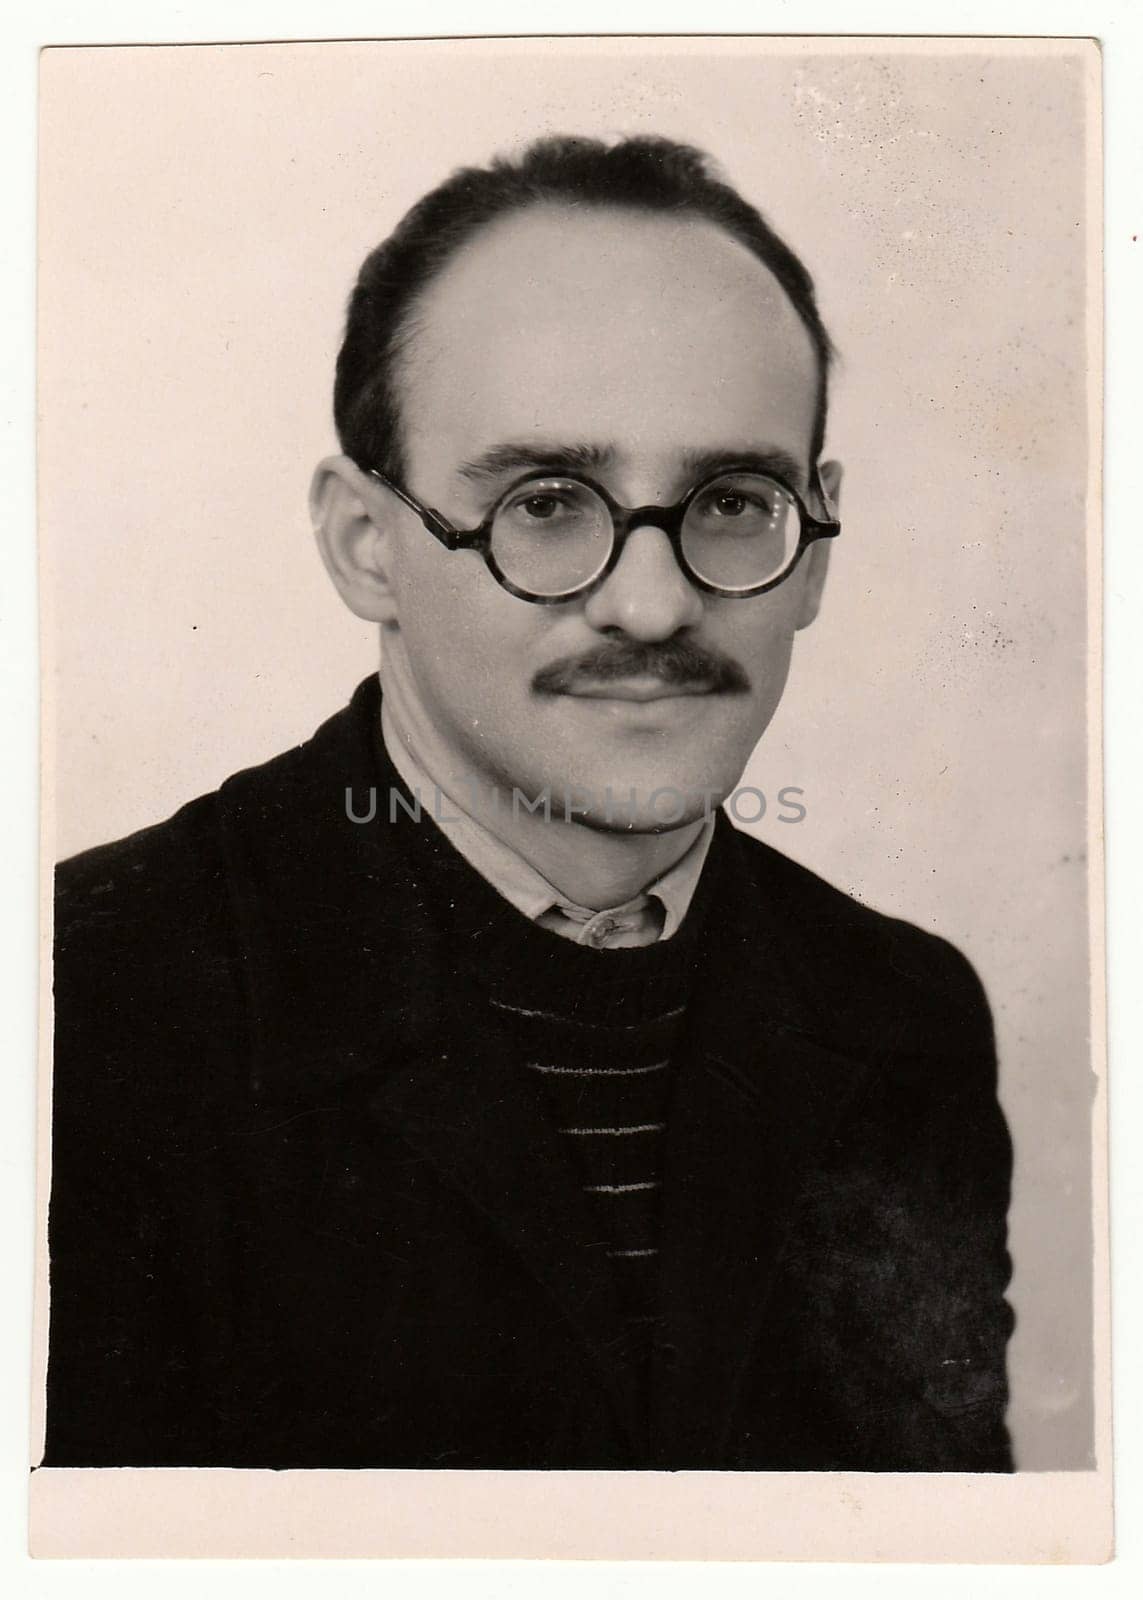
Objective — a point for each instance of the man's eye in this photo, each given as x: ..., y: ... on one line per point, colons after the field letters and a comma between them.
x: 557, y: 505
x: 541, y: 506
x: 731, y: 505
x: 736, y: 503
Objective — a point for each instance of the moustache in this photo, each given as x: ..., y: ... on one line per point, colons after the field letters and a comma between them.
x: 677, y: 662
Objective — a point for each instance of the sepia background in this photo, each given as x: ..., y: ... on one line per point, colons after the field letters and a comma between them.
x: 204, y: 211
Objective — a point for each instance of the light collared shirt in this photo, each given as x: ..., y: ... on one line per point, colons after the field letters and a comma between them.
x: 646, y: 918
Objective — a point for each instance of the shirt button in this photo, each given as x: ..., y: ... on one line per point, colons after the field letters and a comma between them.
x: 601, y: 932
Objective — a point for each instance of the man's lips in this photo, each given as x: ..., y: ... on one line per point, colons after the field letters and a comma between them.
x: 639, y: 690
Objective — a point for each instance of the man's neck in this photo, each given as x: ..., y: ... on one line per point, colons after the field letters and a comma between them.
x: 593, y: 868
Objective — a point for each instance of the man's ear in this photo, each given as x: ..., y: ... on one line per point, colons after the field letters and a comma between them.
x: 816, y: 559
x: 351, y: 525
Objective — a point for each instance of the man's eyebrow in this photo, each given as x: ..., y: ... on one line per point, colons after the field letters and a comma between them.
x: 535, y: 455
x: 769, y: 459
x: 695, y: 464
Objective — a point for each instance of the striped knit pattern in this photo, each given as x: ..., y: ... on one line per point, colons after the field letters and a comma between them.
x: 608, y: 1088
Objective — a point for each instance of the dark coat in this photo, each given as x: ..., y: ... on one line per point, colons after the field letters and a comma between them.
x: 297, y: 1219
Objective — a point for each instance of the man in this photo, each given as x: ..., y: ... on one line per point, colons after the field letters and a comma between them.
x: 461, y: 1089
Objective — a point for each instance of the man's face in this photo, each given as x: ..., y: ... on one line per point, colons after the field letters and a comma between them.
x: 653, y: 346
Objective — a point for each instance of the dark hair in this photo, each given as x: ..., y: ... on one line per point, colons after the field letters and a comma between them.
x: 648, y: 174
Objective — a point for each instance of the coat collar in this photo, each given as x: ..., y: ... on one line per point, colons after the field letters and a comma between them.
x: 323, y: 904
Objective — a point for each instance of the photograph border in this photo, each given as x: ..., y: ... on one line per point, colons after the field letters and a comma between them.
x: 85, y: 1518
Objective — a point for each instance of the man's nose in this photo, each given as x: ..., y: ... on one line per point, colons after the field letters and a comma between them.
x: 647, y: 594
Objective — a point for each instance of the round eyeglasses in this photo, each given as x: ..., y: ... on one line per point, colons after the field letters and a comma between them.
x: 554, y: 537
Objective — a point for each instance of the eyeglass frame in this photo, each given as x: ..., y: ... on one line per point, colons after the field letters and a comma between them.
x: 668, y: 519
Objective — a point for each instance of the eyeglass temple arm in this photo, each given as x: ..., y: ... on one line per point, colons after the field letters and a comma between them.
x: 829, y: 526
x: 450, y: 537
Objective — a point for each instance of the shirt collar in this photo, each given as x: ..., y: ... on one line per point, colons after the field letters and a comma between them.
x: 521, y: 884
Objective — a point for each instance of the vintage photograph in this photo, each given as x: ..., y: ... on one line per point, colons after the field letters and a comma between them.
x: 568, y: 777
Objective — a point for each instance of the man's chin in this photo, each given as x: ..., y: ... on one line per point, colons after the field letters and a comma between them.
x: 642, y: 822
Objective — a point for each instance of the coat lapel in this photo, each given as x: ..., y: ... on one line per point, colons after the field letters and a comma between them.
x: 757, y: 1096
x: 483, y: 1126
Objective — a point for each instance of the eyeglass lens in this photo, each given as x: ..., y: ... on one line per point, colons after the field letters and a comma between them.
x: 554, y: 535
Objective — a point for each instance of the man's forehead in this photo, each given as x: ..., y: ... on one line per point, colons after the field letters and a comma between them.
x: 610, y: 323
x: 540, y: 265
